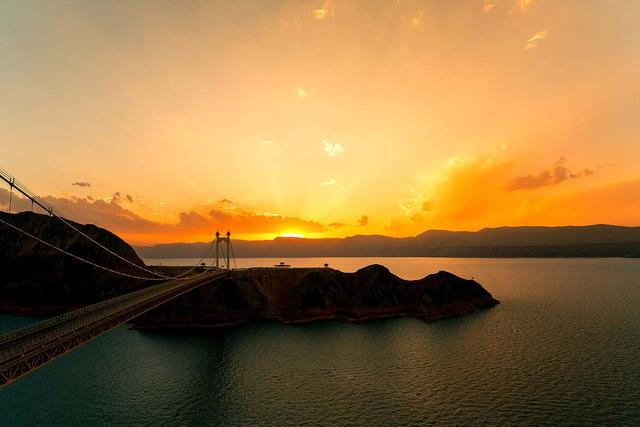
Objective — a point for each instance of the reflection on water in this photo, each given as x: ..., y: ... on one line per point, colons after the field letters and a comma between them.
x: 562, y: 348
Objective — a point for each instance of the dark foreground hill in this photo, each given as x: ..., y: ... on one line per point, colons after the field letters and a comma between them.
x: 582, y: 241
x: 34, y: 274
x: 305, y: 295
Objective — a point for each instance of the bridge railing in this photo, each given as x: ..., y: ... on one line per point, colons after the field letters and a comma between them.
x: 36, y: 336
x: 75, y: 321
x: 79, y: 312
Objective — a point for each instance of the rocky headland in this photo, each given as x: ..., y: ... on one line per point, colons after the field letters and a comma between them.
x: 305, y: 294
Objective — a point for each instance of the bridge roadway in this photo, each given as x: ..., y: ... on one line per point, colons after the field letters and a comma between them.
x: 27, y: 349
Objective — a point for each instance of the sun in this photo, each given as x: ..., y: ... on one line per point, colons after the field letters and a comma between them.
x: 296, y: 235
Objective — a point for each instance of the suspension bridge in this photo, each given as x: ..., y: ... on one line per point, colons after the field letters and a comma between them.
x: 25, y: 350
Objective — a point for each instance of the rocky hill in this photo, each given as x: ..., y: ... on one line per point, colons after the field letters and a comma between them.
x: 34, y: 274
x: 305, y: 295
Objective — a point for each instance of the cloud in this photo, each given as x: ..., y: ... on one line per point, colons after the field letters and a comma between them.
x: 252, y: 223
x: 129, y: 198
x: 619, y: 201
x: 335, y: 225
x: 90, y: 210
x: 487, y: 5
x: 82, y: 184
x: 325, y: 11
x: 535, y: 39
x: 190, y: 226
x: 332, y: 150
x: 227, y: 204
x: 524, y: 5
x: 416, y: 20
x: 301, y: 92
x: 328, y: 183
x: 364, y: 220
x: 267, y: 142
x: 556, y: 175
x: 479, y: 192
x: 415, y: 205
x: 470, y: 193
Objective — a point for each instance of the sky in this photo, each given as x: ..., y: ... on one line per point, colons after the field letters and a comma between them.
x: 164, y: 121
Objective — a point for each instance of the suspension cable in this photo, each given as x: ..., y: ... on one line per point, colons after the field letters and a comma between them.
x: 101, y: 266
x: 22, y: 188
x: 198, y: 263
x: 109, y: 250
x: 233, y: 255
x: 76, y: 256
x: 53, y: 212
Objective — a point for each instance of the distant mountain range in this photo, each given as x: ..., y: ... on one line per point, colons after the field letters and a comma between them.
x: 540, y: 242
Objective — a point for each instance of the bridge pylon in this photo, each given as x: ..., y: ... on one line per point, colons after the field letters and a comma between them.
x: 223, y: 249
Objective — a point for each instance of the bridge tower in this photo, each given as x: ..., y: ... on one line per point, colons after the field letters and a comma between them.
x: 223, y: 249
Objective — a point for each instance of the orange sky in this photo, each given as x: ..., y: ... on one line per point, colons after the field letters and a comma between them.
x: 163, y: 121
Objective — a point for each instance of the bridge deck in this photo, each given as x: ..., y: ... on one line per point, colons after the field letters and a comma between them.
x: 27, y: 349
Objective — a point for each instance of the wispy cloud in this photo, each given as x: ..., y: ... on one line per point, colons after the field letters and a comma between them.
x: 487, y: 5
x: 414, y: 206
x: 189, y: 226
x: 556, y: 175
x: 325, y: 11
x: 524, y: 4
x: 267, y: 142
x: 82, y: 184
x: 227, y: 205
x: 535, y: 39
x: 416, y: 20
x: 301, y: 92
x: 115, y: 198
x: 331, y: 149
x: 328, y: 183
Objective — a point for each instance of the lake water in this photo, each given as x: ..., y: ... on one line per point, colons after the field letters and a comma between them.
x: 562, y: 348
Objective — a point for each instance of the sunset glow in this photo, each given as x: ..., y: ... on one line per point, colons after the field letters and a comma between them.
x: 321, y: 118
x: 296, y: 235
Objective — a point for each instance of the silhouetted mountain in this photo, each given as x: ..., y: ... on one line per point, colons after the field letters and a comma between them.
x: 308, y: 294
x: 36, y: 274
x: 570, y: 241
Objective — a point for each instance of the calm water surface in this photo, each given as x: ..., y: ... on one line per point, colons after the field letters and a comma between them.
x: 562, y: 348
